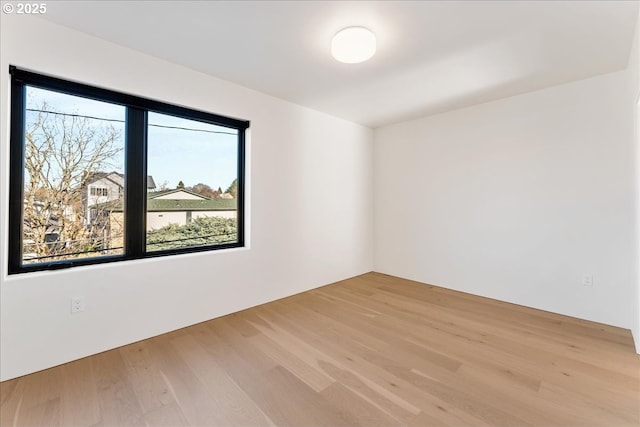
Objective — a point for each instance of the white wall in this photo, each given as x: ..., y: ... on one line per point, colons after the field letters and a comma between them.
x: 157, y: 220
x: 113, y: 191
x: 516, y: 199
x: 180, y: 195
x: 633, y: 72
x: 310, y: 198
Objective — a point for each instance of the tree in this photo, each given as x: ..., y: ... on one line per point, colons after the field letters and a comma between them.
x: 233, y: 188
x: 204, y: 190
x: 180, y: 184
x: 62, y: 152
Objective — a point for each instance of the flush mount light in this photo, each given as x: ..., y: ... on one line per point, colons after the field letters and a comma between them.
x: 353, y: 44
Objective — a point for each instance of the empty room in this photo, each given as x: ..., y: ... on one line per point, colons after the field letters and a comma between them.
x: 320, y: 213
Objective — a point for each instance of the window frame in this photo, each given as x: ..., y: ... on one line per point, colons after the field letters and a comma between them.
x: 135, y: 134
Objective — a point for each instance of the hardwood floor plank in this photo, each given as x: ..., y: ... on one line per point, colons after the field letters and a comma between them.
x: 118, y: 403
x: 300, y: 406
x: 12, y: 394
x: 79, y: 394
x: 440, y: 417
x: 43, y: 414
x: 148, y: 385
x: 374, y: 350
x: 366, y: 413
x: 35, y: 401
x: 526, y: 402
x: 184, y: 385
x: 241, y: 346
x: 371, y: 392
x: 226, y: 397
x: 305, y: 372
x: 593, y: 411
x: 393, y: 394
x: 169, y: 415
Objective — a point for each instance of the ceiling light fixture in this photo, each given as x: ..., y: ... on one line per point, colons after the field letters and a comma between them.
x: 353, y: 45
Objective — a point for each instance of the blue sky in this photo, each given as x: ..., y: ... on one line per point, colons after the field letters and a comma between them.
x: 188, y: 155
x: 192, y: 156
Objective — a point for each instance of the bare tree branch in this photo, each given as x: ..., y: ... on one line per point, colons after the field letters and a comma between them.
x: 61, y: 154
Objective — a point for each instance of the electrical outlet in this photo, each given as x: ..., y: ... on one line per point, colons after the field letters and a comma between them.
x: 587, y: 280
x: 77, y: 305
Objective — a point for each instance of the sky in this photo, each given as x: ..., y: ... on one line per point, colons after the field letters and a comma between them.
x: 196, y: 153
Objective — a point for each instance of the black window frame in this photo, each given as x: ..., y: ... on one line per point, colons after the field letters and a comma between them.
x: 137, y: 109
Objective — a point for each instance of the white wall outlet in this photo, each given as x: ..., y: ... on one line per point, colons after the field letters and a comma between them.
x: 587, y: 279
x: 77, y: 305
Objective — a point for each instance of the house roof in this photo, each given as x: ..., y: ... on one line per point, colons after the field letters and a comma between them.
x: 95, y: 176
x: 166, y: 205
x: 162, y: 205
x: 151, y: 184
x: 154, y: 194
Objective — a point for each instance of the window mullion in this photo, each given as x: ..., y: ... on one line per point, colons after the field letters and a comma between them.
x: 135, y: 182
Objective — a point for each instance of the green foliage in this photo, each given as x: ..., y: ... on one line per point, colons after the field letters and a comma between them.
x: 200, y: 231
x: 205, y: 190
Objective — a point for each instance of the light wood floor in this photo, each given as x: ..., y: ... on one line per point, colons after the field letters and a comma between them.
x: 369, y: 351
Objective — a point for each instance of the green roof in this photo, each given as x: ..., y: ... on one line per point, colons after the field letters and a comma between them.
x: 163, y: 205
x: 191, y: 205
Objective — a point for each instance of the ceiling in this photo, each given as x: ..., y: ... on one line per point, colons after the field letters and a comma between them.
x: 433, y: 56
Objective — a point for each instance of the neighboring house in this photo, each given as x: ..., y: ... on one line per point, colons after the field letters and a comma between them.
x: 180, y: 206
x: 103, y: 187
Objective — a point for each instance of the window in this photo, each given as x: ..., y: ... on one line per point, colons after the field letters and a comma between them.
x: 96, y: 191
x: 100, y: 176
x: 195, y: 164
